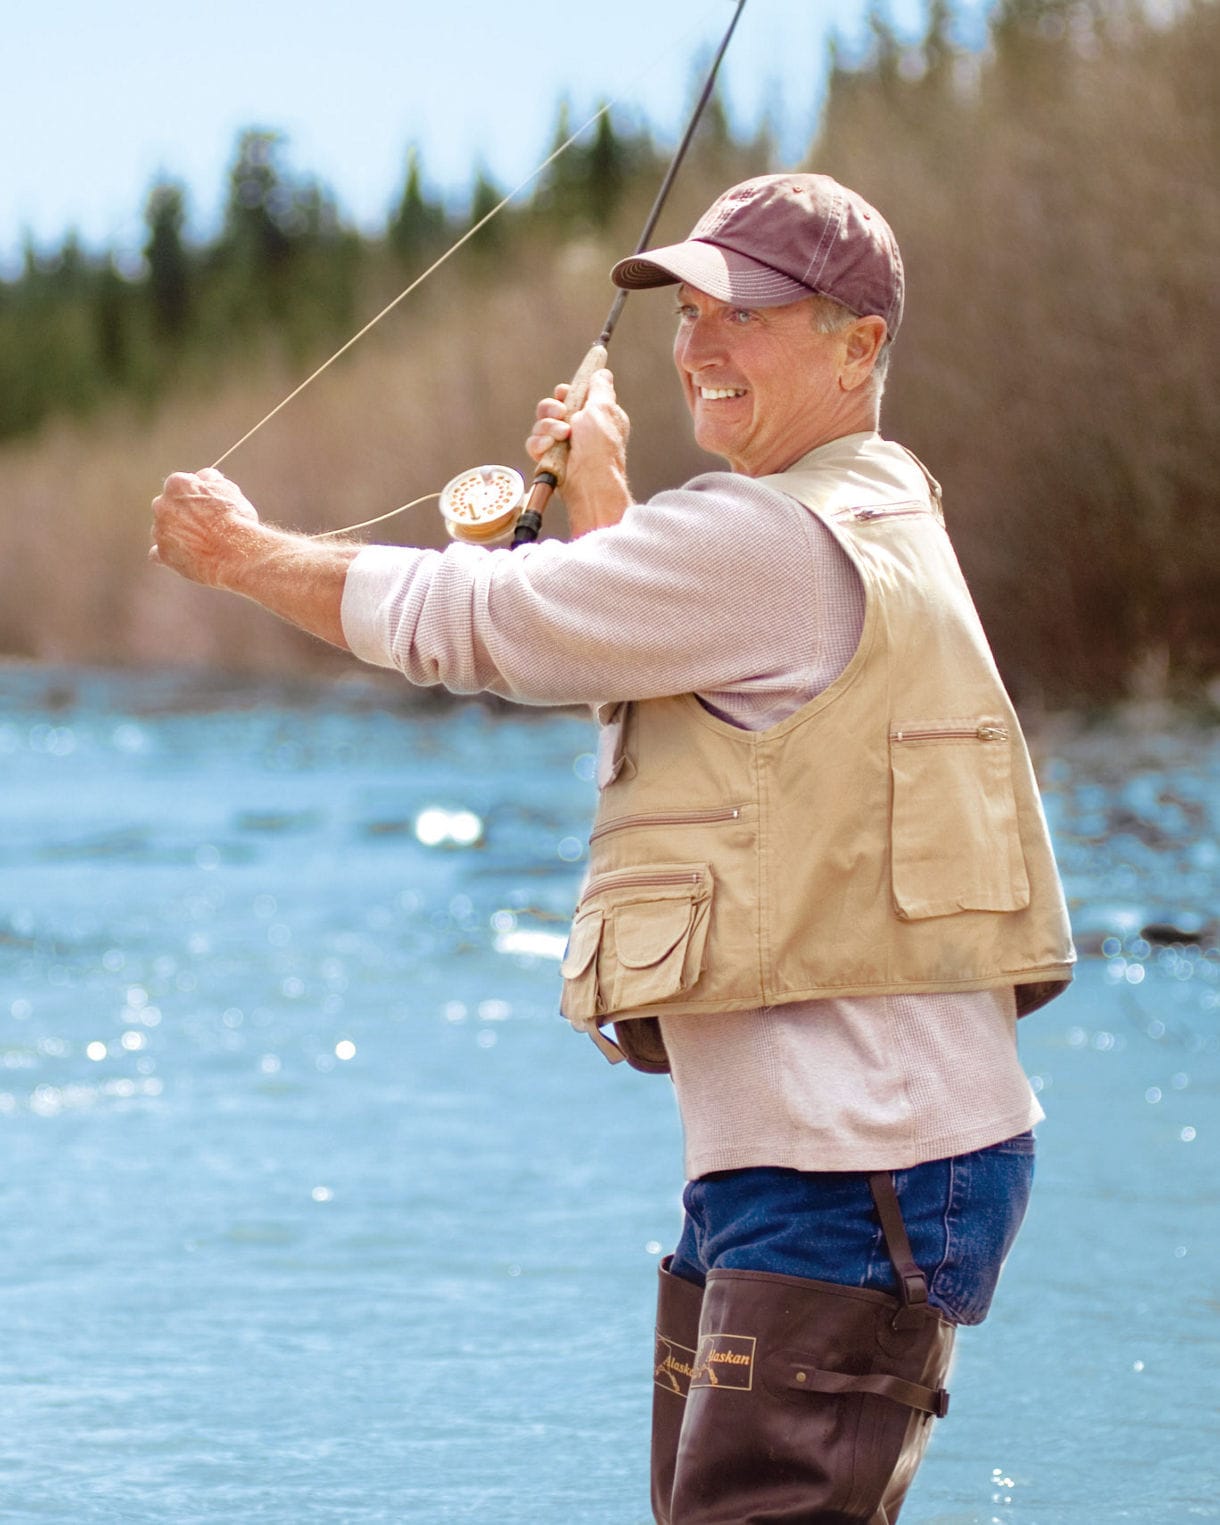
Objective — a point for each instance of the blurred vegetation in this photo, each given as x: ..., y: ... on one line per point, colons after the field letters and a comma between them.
x: 1056, y: 191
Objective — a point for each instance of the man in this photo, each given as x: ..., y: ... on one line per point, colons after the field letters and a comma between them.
x: 820, y: 888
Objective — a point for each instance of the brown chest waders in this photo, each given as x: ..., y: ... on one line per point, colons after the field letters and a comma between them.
x: 780, y: 1400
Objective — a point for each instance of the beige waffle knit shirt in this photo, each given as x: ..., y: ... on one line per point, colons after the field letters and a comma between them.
x: 732, y: 591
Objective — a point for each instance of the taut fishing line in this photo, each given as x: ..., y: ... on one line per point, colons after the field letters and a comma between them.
x: 417, y: 282
x: 484, y: 505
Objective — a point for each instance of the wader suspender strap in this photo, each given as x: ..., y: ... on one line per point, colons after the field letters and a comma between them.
x: 913, y: 1290
x: 914, y: 1317
x: 912, y: 1283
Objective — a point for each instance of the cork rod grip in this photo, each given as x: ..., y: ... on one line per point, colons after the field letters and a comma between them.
x: 556, y: 457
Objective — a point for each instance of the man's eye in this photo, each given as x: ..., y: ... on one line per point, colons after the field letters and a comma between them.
x: 684, y: 312
x: 741, y: 316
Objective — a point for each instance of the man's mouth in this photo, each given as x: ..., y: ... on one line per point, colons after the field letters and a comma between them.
x: 716, y: 394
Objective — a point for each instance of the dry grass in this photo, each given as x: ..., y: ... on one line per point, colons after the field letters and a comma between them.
x: 1059, y: 368
x: 1059, y: 208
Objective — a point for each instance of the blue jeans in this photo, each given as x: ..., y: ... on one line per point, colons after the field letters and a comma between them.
x: 961, y: 1213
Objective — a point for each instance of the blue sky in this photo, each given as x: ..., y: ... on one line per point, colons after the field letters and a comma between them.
x: 99, y: 98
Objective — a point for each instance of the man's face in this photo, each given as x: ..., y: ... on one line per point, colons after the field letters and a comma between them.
x: 762, y: 384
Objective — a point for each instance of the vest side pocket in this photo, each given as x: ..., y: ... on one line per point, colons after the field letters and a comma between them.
x: 581, y: 998
x: 652, y: 925
x: 954, y: 829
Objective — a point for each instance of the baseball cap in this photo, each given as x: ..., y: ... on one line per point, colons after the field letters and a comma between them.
x: 777, y: 238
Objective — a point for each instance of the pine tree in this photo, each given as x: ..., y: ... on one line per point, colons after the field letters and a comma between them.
x: 484, y: 195
x: 607, y: 165
x: 259, y: 223
x: 559, y: 198
x: 284, y: 257
x: 417, y: 225
x: 169, y: 267
x: 111, y: 324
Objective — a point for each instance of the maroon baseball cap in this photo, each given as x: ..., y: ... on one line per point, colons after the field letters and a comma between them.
x: 778, y: 238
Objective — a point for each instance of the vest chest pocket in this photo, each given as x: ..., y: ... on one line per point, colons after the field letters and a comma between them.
x: 954, y: 832
x: 637, y: 940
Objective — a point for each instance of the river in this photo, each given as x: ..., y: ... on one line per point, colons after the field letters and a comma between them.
x: 315, y: 1211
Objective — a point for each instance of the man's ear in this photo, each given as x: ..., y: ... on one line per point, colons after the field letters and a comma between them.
x: 862, y: 343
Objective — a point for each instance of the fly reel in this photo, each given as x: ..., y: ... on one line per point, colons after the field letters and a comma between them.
x: 481, y: 506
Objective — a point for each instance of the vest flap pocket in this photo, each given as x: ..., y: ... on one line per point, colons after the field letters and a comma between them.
x: 954, y: 829
x: 655, y: 929
x: 645, y: 933
x: 583, y: 939
x: 581, y: 1001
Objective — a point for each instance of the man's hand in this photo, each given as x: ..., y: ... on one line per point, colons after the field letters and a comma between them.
x: 594, y: 485
x: 206, y: 530
x: 203, y: 527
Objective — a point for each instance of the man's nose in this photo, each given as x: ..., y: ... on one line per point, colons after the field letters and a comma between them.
x: 696, y: 346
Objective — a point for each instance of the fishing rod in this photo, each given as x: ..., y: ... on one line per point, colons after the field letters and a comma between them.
x: 483, y: 504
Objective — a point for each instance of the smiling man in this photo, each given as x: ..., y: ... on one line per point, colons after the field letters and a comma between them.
x: 767, y: 385
x: 820, y: 888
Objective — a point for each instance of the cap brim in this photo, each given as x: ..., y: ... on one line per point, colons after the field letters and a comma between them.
x: 721, y: 273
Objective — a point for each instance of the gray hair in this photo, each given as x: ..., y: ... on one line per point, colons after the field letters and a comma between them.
x: 831, y: 317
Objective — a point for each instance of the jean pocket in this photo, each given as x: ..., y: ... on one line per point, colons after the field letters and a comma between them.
x: 988, y: 1195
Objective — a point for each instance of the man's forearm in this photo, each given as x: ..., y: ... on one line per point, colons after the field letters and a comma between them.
x: 300, y: 580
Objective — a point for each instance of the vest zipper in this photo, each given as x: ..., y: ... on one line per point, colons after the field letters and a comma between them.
x: 669, y: 818
x: 886, y: 511
x: 611, y: 880
x: 987, y: 731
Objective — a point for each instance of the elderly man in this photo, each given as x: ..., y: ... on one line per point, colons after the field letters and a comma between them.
x: 820, y: 888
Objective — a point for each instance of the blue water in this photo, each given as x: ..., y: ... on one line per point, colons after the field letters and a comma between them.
x: 315, y: 1211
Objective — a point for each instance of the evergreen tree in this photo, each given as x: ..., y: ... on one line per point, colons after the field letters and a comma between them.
x: 67, y: 270
x: 586, y: 184
x: 417, y: 225
x: 111, y: 320
x: 484, y: 195
x: 283, y: 256
x: 560, y: 196
x: 607, y: 168
x: 259, y: 223
x: 169, y: 269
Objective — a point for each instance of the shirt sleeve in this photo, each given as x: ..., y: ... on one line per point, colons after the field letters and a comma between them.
x: 680, y: 597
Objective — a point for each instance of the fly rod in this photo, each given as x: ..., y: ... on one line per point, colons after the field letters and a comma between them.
x: 480, y: 505
x: 549, y: 471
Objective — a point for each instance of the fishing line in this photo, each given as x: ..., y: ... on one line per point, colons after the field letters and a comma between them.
x: 380, y: 519
x: 420, y: 279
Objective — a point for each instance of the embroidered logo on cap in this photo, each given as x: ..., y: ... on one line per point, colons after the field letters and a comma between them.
x: 723, y: 208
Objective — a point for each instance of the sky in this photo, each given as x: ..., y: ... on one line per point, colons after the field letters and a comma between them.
x: 99, y: 99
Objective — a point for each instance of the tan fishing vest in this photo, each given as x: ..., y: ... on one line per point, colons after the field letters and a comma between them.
x: 886, y: 837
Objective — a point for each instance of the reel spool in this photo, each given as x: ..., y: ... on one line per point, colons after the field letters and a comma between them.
x: 481, y: 506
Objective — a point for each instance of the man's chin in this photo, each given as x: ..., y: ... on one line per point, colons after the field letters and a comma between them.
x: 711, y: 437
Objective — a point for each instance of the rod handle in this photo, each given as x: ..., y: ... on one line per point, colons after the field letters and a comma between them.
x: 529, y: 525
x: 556, y: 458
